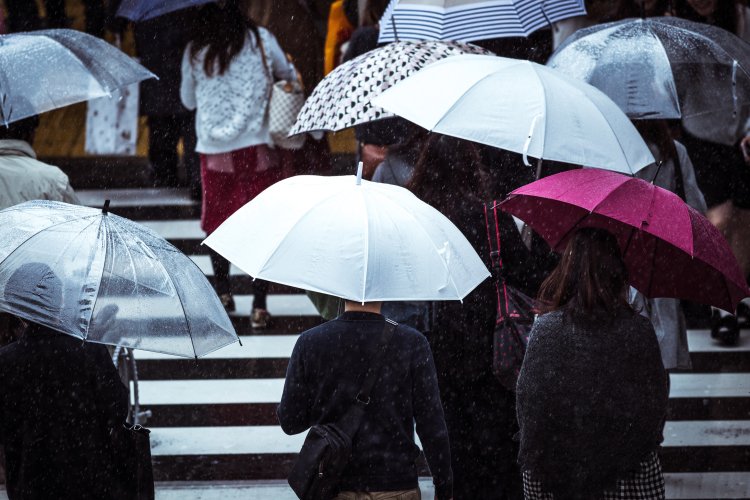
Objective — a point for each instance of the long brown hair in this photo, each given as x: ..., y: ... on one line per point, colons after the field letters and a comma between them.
x: 591, y: 276
x: 223, y: 28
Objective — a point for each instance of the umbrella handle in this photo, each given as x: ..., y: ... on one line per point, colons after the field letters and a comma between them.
x: 528, y: 141
x: 359, y: 173
x: 734, y: 87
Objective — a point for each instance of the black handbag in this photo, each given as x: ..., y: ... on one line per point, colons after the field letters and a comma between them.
x: 132, y: 447
x: 328, y: 447
x: 515, y: 313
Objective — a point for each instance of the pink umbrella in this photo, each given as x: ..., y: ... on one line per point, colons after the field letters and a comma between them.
x: 671, y: 250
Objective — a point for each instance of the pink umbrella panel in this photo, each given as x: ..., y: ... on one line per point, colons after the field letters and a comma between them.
x: 671, y: 250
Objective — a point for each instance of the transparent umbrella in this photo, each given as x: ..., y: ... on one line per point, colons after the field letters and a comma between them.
x: 666, y: 67
x: 49, y: 69
x: 119, y: 282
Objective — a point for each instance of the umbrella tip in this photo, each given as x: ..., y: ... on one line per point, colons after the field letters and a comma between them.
x: 359, y: 173
x: 105, y: 208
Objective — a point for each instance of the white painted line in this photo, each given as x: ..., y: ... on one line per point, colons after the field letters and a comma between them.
x: 710, y: 385
x: 213, y: 391
x: 236, y: 440
x: 701, y: 341
x: 176, y: 229
x: 152, y: 197
x: 253, y: 347
x: 217, y: 391
x: 707, y: 433
x: 232, y: 440
x: 707, y: 485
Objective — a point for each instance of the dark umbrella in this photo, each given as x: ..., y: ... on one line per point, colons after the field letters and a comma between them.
x: 141, y: 10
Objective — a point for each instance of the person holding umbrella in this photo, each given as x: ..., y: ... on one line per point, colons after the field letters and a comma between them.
x: 592, y: 392
x: 227, y: 70
x: 60, y: 401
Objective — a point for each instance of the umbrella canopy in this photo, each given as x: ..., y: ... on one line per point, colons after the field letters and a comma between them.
x: 342, y: 98
x: 106, y: 279
x: 522, y: 107
x: 470, y: 20
x: 142, y: 10
x: 49, y: 69
x: 666, y: 67
x: 359, y: 240
x: 671, y: 250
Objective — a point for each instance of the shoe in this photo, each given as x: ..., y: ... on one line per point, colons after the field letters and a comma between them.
x: 259, y: 319
x: 227, y: 301
x: 726, y: 330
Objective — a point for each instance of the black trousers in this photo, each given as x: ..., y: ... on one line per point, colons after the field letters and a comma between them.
x: 222, y: 285
x: 165, y: 133
x: 23, y: 15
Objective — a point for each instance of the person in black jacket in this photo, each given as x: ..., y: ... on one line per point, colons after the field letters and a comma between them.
x: 160, y: 43
x: 59, y: 400
x: 326, y: 371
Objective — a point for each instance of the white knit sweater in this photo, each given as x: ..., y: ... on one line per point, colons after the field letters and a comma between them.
x: 231, y: 108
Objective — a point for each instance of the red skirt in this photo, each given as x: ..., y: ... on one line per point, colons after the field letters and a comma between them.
x: 232, y: 179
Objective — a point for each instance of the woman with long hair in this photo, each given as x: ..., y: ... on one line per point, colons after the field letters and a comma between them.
x: 592, y: 393
x: 227, y: 72
x: 479, y: 410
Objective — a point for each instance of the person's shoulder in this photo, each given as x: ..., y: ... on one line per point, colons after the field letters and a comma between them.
x: 550, y: 319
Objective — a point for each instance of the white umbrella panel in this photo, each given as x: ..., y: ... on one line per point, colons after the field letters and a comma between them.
x: 522, y: 107
x: 358, y: 240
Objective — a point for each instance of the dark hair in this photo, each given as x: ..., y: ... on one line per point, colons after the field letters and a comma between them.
x: 591, y: 276
x: 448, y: 172
x: 372, y: 12
x: 725, y: 15
x: 657, y: 132
x: 222, y: 29
x: 22, y: 129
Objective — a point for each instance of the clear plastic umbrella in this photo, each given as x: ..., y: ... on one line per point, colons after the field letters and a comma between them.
x: 103, y: 278
x: 666, y: 67
x: 49, y: 69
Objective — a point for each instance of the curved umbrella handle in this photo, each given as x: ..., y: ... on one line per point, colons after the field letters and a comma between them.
x: 528, y: 141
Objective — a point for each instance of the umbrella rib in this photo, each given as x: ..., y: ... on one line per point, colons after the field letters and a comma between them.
x: 40, y: 231
x: 278, y: 245
x: 101, y: 278
x: 367, y: 244
x: 176, y: 291
x: 445, y: 266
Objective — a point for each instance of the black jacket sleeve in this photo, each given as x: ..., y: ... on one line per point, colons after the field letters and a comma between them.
x: 428, y: 415
x: 296, y: 400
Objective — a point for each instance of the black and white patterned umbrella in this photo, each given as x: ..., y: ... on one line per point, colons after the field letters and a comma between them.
x: 342, y: 98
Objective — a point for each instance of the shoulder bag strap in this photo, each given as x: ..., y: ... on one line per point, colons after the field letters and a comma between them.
x: 679, y: 179
x: 352, y: 419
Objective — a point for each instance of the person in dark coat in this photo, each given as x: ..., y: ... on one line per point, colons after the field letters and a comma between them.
x: 592, y: 393
x: 59, y: 400
x: 325, y: 374
x: 160, y: 43
x: 479, y: 411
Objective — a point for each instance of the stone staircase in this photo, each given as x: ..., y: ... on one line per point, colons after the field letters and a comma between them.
x: 214, y: 425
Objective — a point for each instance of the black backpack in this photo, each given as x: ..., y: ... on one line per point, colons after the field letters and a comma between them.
x: 328, y: 447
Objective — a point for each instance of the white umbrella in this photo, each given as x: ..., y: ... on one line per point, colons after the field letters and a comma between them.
x: 520, y: 106
x: 359, y: 240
